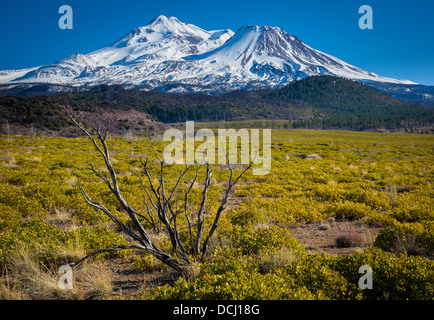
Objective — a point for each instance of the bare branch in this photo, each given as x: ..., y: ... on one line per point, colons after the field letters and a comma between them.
x: 146, y: 191
x: 102, y: 177
x: 110, y: 215
x: 186, y: 205
x: 200, y: 214
x: 99, y: 251
x: 177, y: 182
x: 151, y: 216
x: 161, y: 201
x: 142, y: 236
x: 221, y: 208
x: 80, y: 126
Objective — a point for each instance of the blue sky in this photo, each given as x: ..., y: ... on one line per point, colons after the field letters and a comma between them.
x: 401, y: 44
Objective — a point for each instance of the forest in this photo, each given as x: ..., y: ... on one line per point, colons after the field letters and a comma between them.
x: 322, y: 102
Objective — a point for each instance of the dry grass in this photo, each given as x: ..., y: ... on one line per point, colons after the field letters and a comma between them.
x: 9, y: 289
x: 192, y: 271
x: 71, y: 180
x: 12, y: 162
x: 25, y: 277
x: 72, y: 251
x: 61, y: 218
x: 94, y: 282
x: 276, y: 259
x: 332, y: 182
x: 391, y: 192
x: 36, y: 159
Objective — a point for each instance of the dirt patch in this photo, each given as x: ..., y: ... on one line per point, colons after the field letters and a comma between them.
x: 128, y: 282
x: 321, y: 237
x: 233, y: 203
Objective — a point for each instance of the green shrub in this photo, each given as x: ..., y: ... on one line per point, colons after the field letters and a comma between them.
x: 414, y: 206
x: 33, y: 233
x: 96, y: 237
x: 147, y: 263
x: 230, y: 276
x: 348, y: 210
x: 253, y: 241
x: 313, y: 273
x: 247, y: 214
x: 413, y: 238
x: 394, y: 277
x: 37, y: 234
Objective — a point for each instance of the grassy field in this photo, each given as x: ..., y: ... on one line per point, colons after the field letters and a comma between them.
x: 369, y: 194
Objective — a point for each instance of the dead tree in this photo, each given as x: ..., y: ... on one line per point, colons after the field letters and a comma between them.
x: 163, y: 208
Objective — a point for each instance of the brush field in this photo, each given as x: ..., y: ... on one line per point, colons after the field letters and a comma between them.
x: 333, y: 202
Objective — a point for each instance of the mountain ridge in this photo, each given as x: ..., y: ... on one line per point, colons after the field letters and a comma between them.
x: 167, y: 53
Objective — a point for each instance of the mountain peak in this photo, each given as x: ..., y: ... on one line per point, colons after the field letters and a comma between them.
x: 268, y: 30
x: 252, y: 44
x: 162, y: 19
x: 157, y: 30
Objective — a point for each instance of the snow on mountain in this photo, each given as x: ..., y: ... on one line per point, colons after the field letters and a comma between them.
x: 162, y: 39
x: 170, y: 55
x: 269, y: 54
x: 10, y: 75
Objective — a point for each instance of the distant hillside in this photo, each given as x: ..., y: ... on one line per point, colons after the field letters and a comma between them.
x: 170, y: 107
x: 322, y: 102
x: 139, y: 110
x: 348, y: 104
x: 41, y: 115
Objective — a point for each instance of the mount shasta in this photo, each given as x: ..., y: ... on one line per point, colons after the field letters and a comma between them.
x: 171, y: 56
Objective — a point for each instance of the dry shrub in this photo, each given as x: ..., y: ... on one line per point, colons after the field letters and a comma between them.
x: 350, y: 238
x: 9, y: 289
x: 192, y: 271
x: 408, y: 243
x: 12, y: 162
x: 72, y: 251
x: 268, y: 261
x: 72, y: 180
x: 400, y: 239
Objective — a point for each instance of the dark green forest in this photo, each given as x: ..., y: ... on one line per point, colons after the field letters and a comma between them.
x: 348, y: 104
x: 322, y: 102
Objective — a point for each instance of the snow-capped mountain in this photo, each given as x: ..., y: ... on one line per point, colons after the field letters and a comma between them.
x: 170, y: 55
